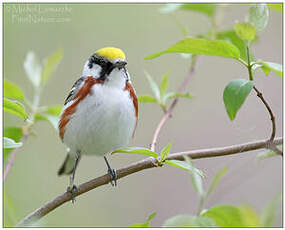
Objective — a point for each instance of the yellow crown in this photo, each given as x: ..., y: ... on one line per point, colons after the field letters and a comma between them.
x: 111, y: 53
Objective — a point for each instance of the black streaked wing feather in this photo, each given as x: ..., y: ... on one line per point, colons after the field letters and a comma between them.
x: 74, y: 90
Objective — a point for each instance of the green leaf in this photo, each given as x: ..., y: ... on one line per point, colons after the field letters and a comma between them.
x: 183, y: 165
x: 271, y: 66
x: 138, y: 150
x: 225, y: 216
x: 53, y: 110
x: 10, y: 90
x: 195, y: 178
x: 172, y: 95
x: 153, y: 86
x: 205, y: 8
x: 164, y: 84
x: 151, y: 216
x: 147, y: 98
x: 249, y: 216
x: 258, y: 16
x: 245, y: 31
x: 14, y: 133
x: 275, y: 6
x: 178, y: 164
x: 33, y: 69
x: 216, y: 180
x: 14, y: 108
x: 235, y: 94
x: 265, y: 69
x: 184, y: 221
x: 165, y: 151
x: 50, y: 65
x: 231, y: 36
x: 269, y: 213
x: 10, y: 143
x: 53, y: 120
x: 202, y: 47
x: 144, y: 225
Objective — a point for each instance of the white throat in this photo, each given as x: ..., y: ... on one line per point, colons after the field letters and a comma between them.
x: 116, y: 79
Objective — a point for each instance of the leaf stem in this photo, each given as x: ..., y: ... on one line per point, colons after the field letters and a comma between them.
x: 242, y: 62
x: 249, y: 66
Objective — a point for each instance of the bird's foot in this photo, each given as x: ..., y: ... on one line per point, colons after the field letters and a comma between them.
x: 73, y: 190
x: 113, y: 175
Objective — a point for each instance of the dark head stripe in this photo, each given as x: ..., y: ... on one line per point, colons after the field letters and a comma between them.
x: 106, y: 65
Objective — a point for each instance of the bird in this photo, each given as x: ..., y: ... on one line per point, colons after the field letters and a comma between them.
x: 100, y: 113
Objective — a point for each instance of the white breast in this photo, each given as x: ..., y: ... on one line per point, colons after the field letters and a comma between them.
x: 103, y: 121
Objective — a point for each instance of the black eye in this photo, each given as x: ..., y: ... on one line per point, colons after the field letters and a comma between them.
x: 96, y: 60
x: 91, y: 61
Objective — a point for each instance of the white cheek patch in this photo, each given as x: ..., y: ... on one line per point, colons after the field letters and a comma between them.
x: 94, y: 71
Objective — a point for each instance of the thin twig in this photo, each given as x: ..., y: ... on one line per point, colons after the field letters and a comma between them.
x: 168, y: 113
x: 12, y: 158
x: 259, y: 94
x: 139, y: 166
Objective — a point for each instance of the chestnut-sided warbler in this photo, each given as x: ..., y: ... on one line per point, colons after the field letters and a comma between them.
x: 100, y: 113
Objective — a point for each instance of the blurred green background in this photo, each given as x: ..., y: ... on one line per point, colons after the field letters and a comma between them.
x: 202, y: 122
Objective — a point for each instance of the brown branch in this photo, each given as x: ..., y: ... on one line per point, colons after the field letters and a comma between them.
x: 142, y: 165
x: 259, y: 94
x: 169, y: 111
x: 12, y: 158
x: 271, y: 145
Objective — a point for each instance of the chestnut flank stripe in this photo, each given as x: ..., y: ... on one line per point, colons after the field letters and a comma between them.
x: 133, y: 96
x: 79, y: 96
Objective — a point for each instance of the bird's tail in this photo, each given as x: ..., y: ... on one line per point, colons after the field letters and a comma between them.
x: 67, y: 166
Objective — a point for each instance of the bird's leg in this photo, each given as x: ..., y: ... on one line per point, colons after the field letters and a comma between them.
x: 112, y: 173
x: 72, y: 187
